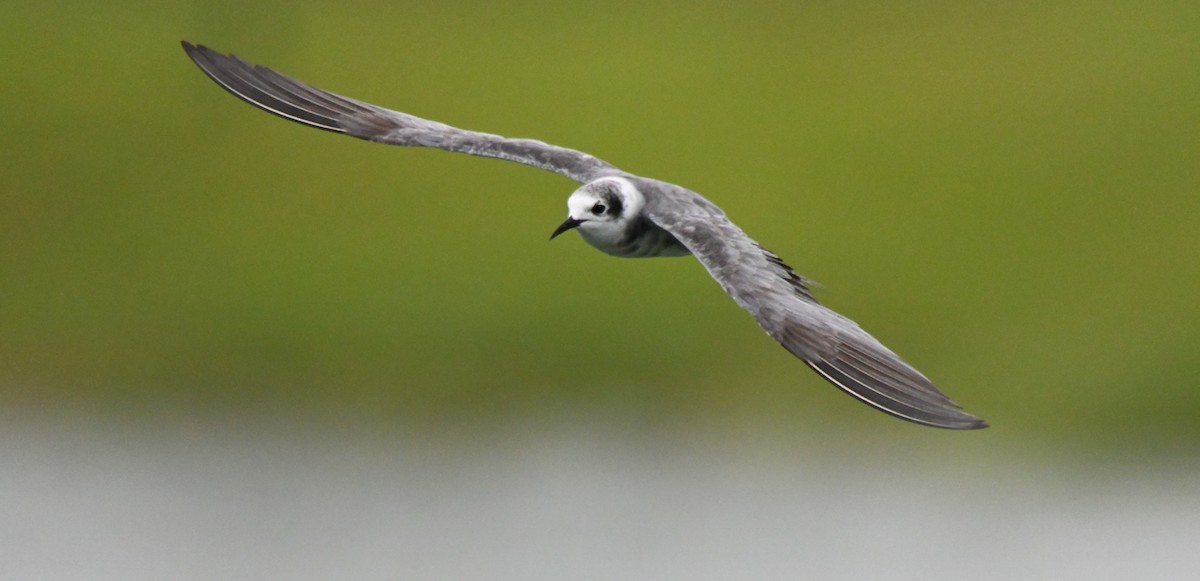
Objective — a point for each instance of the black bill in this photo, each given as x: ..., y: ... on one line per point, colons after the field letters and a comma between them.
x: 567, y: 225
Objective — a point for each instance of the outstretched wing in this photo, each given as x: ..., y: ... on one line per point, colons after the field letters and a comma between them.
x: 780, y: 301
x: 291, y: 99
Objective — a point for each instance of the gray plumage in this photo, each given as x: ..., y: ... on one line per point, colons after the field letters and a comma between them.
x: 631, y: 216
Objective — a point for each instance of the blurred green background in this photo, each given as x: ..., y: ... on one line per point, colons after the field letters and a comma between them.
x: 1006, y: 194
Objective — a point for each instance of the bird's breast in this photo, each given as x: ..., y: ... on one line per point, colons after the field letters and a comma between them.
x: 639, y: 239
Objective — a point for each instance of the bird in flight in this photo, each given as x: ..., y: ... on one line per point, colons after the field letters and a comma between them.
x: 630, y: 216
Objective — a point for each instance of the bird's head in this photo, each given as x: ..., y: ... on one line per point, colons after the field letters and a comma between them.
x: 601, y: 209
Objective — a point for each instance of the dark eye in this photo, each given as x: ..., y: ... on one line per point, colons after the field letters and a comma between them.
x: 598, y: 209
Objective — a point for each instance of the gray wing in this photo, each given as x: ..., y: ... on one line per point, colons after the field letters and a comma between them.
x: 299, y: 102
x: 780, y: 301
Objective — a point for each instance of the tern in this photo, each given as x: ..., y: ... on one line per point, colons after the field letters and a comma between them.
x: 630, y: 216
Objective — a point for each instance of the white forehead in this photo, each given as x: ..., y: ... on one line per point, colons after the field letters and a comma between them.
x: 588, y: 194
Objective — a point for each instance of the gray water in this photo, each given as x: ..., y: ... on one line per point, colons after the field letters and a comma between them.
x: 566, y: 502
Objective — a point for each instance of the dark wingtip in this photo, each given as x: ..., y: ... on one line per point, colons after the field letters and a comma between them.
x: 972, y: 424
x: 195, y: 51
x: 979, y: 424
x: 962, y: 420
x: 939, y: 412
x: 283, y: 96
